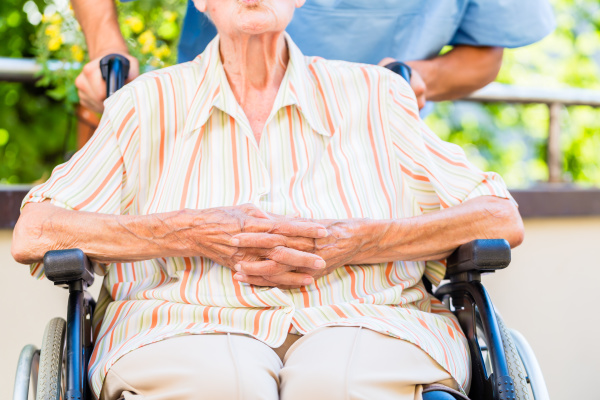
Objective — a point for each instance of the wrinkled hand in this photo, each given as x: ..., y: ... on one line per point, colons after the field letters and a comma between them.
x: 347, y: 241
x: 416, y: 81
x: 210, y: 235
x: 92, y: 88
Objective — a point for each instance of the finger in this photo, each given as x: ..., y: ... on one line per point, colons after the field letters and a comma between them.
x: 253, y: 280
x: 83, y: 86
x: 269, y: 241
x: 386, y: 61
x: 306, y: 229
x: 295, y: 258
x: 421, y: 102
x: 262, y: 268
x: 258, y: 240
x: 253, y: 211
x: 86, y: 101
x: 95, y: 81
x: 134, y: 68
x: 276, y: 217
x: 87, y: 94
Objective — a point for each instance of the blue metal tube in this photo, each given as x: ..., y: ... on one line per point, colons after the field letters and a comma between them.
x: 75, y: 363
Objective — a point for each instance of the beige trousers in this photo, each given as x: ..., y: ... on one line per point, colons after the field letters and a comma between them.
x: 330, y: 363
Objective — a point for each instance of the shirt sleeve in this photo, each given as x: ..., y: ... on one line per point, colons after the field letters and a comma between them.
x: 435, y: 174
x: 504, y: 23
x: 96, y: 178
x: 438, y: 173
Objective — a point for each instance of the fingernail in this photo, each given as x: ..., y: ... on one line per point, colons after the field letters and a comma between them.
x: 237, y: 267
x: 239, y: 276
x: 235, y: 242
x: 322, y: 232
x: 320, y: 264
x: 308, y: 281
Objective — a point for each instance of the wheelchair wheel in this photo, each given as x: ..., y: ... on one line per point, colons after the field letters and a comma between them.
x: 27, y: 372
x: 515, y: 364
x: 49, y: 385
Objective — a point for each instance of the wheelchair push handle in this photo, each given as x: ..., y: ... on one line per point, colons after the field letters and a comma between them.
x: 115, y: 69
x: 401, y: 69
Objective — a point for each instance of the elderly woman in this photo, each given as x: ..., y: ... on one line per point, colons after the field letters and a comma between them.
x: 266, y: 220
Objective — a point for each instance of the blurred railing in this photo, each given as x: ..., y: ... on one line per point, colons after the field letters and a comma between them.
x: 555, y: 99
x: 26, y: 70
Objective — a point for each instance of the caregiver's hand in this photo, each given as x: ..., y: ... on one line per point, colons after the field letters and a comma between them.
x: 417, y: 83
x: 212, y: 230
x: 91, y: 87
x: 347, y: 240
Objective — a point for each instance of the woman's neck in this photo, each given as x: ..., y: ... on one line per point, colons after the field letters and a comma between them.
x: 255, y: 66
x: 254, y: 62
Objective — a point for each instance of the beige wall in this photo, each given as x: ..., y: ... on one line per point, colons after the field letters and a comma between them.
x: 547, y: 293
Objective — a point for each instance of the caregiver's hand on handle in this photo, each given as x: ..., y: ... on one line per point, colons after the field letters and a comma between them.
x: 91, y: 87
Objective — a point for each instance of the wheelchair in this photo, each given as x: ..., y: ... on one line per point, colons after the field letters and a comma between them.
x: 502, y: 363
x: 503, y: 366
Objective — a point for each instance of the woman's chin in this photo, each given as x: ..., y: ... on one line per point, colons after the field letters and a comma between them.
x: 257, y: 23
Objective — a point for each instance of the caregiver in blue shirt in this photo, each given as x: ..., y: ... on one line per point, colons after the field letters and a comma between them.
x: 368, y: 31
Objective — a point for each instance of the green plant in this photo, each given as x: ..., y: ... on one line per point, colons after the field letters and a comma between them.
x: 511, y: 139
x: 149, y: 27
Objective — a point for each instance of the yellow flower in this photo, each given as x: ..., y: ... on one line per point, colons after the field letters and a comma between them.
x: 148, y: 48
x: 55, y: 18
x: 52, y: 31
x: 170, y: 16
x: 77, y: 53
x: 54, y: 43
x: 147, y: 37
x: 148, y: 42
x: 162, y: 52
x: 135, y: 23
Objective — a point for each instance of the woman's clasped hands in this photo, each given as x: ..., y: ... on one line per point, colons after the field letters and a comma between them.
x: 266, y: 249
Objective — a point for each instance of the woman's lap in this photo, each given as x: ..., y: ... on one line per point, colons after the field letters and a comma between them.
x: 195, y: 367
x: 330, y: 363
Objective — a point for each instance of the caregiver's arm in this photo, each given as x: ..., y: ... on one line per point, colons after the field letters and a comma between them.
x: 432, y: 236
x: 100, y: 26
x: 455, y: 74
x: 183, y: 233
x: 459, y: 72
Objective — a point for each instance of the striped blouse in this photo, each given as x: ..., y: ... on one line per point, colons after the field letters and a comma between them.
x: 343, y: 140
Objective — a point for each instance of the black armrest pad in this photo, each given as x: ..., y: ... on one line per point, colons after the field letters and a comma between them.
x: 64, y: 266
x: 481, y: 255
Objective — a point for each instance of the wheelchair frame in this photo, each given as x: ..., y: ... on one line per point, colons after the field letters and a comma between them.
x: 72, y: 269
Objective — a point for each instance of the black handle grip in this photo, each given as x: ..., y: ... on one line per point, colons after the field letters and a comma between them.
x: 401, y: 69
x: 115, y: 69
x: 481, y: 255
x: 66, y: 266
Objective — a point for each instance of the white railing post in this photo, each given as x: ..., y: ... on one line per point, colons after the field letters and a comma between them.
x: 554, y: 159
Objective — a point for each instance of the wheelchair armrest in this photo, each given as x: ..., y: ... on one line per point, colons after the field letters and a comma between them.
x: 481, y: 255
x: 67, y: 266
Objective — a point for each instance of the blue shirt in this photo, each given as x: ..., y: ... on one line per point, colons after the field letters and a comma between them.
x: 368, y: 30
